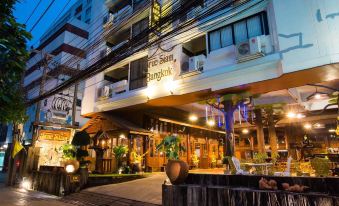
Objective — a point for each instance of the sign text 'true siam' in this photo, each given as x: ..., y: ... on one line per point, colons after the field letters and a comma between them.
x: 157, y: 68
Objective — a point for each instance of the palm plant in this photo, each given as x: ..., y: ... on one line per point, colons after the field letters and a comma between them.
x: 119, y: 152
x: 171, y: 146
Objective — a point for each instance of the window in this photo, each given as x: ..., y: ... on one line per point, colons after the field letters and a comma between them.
x: 88, y: 21
x: 138, y: 30
x: 139, y: 27
x: 79, y: 17
x: 238, y: 32
x: 78, y: 10
x: 138, y: 73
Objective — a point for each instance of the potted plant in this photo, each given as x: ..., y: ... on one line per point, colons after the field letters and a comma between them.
x: 80, y: 141
x: 176, y: 170
x: 119, y: 152
x: 321, y: 166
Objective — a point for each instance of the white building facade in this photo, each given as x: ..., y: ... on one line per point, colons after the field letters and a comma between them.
x: 257, y: 45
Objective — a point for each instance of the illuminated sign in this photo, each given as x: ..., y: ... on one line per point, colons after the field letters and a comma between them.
x: 160, y: 70
x: 155, y: 16
x: 54, y: 135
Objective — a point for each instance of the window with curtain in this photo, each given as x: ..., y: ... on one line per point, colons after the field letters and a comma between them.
x: 238, y: 32
x: 138, y: 73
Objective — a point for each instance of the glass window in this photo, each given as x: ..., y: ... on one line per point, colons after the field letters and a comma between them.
x: 78, y: 10
x: 226, y: 36
x: 240, y: 32
x: 215, y: 40
x: 138, y: 73
x: 254, y: 26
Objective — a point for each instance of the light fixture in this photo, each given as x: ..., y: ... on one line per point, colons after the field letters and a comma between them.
x: 332, y: 130
x: 300, y: 116
x: 291, y: 114
x: 307, y: 126
x: 70, y: 168
x: 26, y: 184
x: 211, y: 122
x: 193, y: 117
x: 245, y: 131
x: 150, y: 91
x: 5, y: 146
x: 122, y: 136
x: 171, y: 86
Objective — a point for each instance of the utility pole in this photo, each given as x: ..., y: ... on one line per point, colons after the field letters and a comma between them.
x: 45, y: 58
x: 75, y: 98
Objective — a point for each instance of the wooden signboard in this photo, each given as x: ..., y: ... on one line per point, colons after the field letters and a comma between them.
x: 54, y: 135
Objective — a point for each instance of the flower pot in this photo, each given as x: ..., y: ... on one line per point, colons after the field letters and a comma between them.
x: 176, y: 171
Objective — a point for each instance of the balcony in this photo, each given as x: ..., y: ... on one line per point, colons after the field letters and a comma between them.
x: 122, y: 11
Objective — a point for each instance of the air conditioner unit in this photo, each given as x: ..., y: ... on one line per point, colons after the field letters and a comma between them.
x: 104, y: 92
x: 196, y: 63
x: 249, y: 50
x: 119, y: 87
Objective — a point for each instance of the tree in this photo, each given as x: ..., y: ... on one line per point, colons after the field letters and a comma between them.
x: 13, y: 57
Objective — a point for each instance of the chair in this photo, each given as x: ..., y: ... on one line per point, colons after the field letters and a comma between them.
x: 287, y: 172
x: 236, y: 163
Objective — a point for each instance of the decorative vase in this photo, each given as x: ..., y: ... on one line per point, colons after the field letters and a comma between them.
x: 176, y: 171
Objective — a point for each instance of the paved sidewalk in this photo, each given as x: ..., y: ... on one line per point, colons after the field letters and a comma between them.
x: 147, y: 190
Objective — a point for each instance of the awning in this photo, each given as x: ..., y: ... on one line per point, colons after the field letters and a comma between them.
x: 107, y: 122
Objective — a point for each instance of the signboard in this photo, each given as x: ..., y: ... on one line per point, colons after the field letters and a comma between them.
x: 155, y: 16
x: 54, y: 135
x: 161, y: 61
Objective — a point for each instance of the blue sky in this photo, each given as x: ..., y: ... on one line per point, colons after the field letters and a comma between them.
x: 23, y: 9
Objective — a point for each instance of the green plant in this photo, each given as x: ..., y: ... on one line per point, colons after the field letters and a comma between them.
x: 137, y: 158
x: 13, y: 57
x: 68, y: 151
x: 119, y: 152
x: 171, y: 146
x: 321, y: 166
x: 260, y: 157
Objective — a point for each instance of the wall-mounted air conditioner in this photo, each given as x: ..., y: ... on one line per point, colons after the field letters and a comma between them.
x: 119, y: 87
x: 196, y: 63
x: 249, y: 50
x: 104, y: 92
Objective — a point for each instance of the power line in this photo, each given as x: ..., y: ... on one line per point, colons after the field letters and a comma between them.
x: 69, y: 1
x: 33, y: 11
x: 108, y: 61
x: 43, y: 14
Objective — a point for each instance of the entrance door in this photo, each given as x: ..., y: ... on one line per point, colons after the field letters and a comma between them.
x: 204, y: 156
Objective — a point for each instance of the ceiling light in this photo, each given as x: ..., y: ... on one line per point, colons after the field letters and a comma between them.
x: 307, y: 126
x: 193, y: 118
x: 211, y: 122
x: 317, y: 96
x: 245, y: 131
x: 122, y: 136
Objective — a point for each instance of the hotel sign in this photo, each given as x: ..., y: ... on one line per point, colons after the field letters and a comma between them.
x: 155, y: 16
x: 155, y: 63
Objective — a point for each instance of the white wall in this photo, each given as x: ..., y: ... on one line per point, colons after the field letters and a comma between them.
x: 308, y: 32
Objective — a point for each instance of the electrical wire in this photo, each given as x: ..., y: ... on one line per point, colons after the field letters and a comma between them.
x: 29, y: 17
x: 43, y: 14
x: 87, y: 73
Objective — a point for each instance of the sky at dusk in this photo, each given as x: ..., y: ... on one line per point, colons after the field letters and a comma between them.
x: 24, y: 8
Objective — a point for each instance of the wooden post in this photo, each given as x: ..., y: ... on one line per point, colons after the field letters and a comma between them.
x: 260, y: 130
x: 271, y: 131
